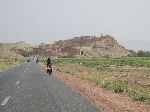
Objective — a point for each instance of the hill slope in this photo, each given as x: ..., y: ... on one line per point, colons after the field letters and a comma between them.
x: 5, y: 54
x: 91, y: 46
x: 18, y: 45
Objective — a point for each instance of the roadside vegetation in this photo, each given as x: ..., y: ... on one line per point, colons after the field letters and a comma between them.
x: 129, y: 75
x: 9, y: 59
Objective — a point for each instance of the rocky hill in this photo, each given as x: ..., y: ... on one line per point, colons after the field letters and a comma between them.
x: 105, y: 45
x: 91, y: 46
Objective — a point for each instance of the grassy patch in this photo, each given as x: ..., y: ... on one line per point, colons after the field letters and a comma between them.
x: 140, y: 96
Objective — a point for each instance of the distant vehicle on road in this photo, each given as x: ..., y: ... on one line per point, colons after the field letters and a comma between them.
x: 28, y: 60
x: 37, y: 60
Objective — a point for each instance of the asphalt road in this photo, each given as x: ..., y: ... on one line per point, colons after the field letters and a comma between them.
x: 28, y: 88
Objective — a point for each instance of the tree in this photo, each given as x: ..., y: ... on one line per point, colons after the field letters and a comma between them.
x: 140, y: 53
x: 143, y: 53
x: 25, y: 53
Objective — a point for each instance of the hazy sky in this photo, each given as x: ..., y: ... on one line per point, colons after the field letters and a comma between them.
x: 36, y: 21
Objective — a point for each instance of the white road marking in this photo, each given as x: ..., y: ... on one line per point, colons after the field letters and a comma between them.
x: 17, y: 82
x: 5, y: 101
x: 27, y: 67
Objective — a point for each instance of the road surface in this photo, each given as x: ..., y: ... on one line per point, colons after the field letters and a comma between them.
x: 28, y: 88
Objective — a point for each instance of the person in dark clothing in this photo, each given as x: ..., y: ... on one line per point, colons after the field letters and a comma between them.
x: 49, y: 63
x: 49, y: 66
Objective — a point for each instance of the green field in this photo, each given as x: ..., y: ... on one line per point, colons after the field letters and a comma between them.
x: 129, y: 75
x: 94, y: 62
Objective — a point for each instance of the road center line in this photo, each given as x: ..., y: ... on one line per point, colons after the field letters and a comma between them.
x: 17, y: 82
x: 5, y: 101
x: 26, y: 68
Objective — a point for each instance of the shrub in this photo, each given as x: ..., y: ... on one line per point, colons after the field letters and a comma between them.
x: 106, y: 83
x: 141, y: 96
x: 67, y: 71
x: 100, y: 67
x: 119, y: 87
x: 98, y: 81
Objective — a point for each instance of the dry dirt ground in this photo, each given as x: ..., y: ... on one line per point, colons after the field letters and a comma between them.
x: 107, y: 100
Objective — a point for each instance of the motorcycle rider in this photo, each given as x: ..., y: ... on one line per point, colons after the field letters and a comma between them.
x: 49, y: 63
